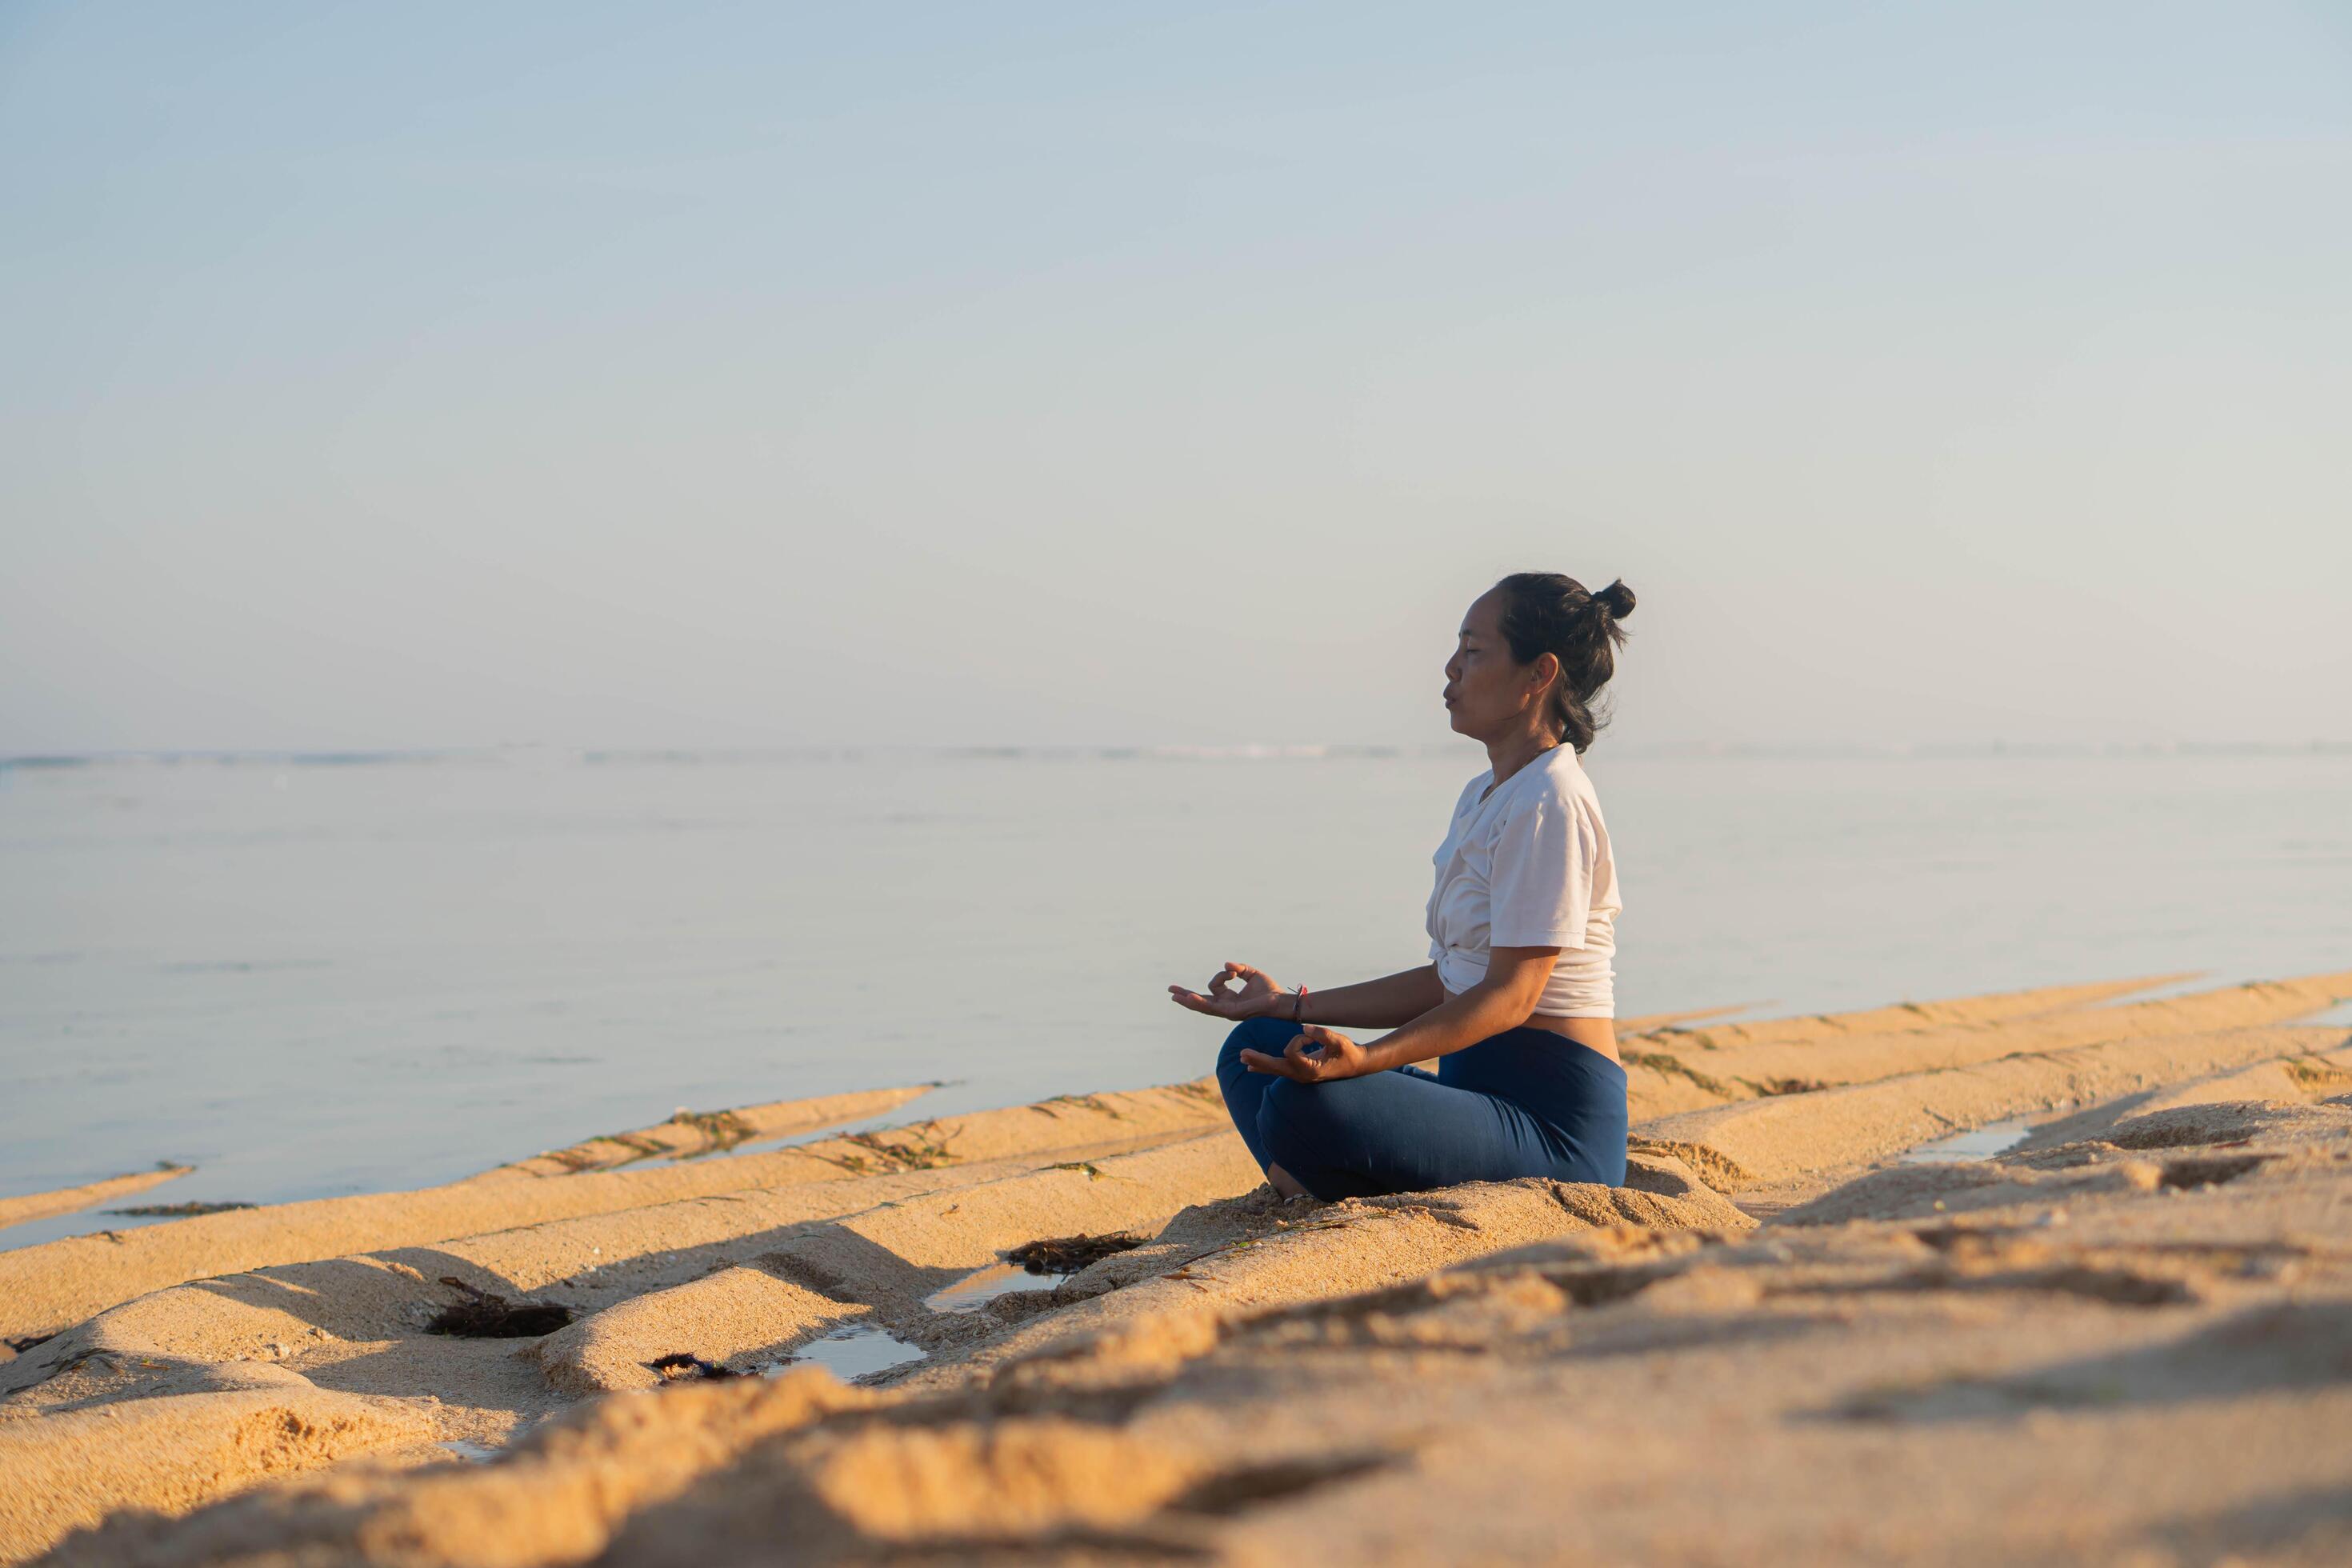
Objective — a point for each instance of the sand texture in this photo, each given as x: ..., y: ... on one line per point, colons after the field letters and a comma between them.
x: 2125, y: 1338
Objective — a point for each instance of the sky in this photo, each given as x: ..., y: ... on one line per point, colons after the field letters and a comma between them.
x: 745, y: 375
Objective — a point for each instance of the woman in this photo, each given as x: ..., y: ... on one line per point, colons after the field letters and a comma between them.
x: 1516, y: 1004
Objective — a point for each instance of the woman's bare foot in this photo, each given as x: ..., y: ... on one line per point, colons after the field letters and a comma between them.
x: 1285, y: 1183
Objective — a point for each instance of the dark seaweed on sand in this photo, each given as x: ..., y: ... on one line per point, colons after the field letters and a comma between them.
x: 482, y: 1316
x: 177, y: 1211
x: 685, y: 1364
x: 1068, y: 1254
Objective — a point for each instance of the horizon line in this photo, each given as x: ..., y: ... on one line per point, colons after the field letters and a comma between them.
x: 577, y: 755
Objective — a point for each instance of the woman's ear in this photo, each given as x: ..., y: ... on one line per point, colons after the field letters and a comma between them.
x: 1546, y: 668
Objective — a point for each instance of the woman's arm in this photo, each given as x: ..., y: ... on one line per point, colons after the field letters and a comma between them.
x: 1504, y: 1000
x: 1391, y: 1000
x: 1382, y: 1004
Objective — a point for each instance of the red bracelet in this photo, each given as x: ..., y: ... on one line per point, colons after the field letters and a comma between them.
x: 1297, y: 1000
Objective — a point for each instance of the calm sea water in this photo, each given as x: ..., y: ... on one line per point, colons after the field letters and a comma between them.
x: 330, y: 975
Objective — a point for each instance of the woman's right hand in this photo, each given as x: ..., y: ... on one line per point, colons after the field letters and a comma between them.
x: 1256, y: 997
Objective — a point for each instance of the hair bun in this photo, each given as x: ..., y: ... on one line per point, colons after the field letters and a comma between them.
x: 1616, y: 598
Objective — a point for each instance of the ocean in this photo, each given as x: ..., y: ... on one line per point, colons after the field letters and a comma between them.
x: 310, y: 975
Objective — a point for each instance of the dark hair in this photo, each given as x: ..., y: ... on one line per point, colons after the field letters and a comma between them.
x: 1545, y: 613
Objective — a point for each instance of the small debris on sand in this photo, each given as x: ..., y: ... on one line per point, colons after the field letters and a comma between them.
x: 482, y: 1316
x: 685, y: 1366
x: 1068, y: 1254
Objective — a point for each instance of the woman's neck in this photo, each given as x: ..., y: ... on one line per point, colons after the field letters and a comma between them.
x: 1508, y: 756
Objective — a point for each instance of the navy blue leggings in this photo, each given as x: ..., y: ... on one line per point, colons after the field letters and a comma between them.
x: 1526, y: 1102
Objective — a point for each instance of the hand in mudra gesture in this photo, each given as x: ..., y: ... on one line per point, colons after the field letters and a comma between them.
x: 1256, y: 996
x: 1315, y: 1054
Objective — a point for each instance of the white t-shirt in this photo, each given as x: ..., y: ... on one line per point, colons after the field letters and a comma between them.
x: 1529, y: 866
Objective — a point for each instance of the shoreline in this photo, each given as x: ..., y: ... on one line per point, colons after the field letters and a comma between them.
x: 2177, y: 1216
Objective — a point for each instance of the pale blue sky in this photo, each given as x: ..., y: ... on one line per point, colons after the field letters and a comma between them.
x: 683, y: 374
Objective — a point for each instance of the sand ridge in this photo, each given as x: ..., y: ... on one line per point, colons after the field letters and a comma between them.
x: 689, y: 1134
x: 1748, y: 1142
x: 73, y: 1200
x: 78, y: 1466
x: 1682, y: 1070
x: 49, y: 1287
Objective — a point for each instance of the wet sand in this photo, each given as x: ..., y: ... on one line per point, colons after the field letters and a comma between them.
x: 2128, y: 1337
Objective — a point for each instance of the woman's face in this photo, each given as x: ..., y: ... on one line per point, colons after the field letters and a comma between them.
x: 1485, y: 691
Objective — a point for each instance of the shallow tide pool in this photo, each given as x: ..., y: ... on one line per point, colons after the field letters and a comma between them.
x: 850, y: 1353
x: 981, y: 1286
x: 1976, y: 1144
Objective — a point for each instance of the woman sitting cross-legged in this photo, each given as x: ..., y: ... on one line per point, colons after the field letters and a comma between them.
x: 1516, y: 1004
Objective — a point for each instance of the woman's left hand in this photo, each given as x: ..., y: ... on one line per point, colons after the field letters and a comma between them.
x: 1317, y: 1054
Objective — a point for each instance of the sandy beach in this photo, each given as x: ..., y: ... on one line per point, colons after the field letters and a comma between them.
x: 1811, y: 1326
